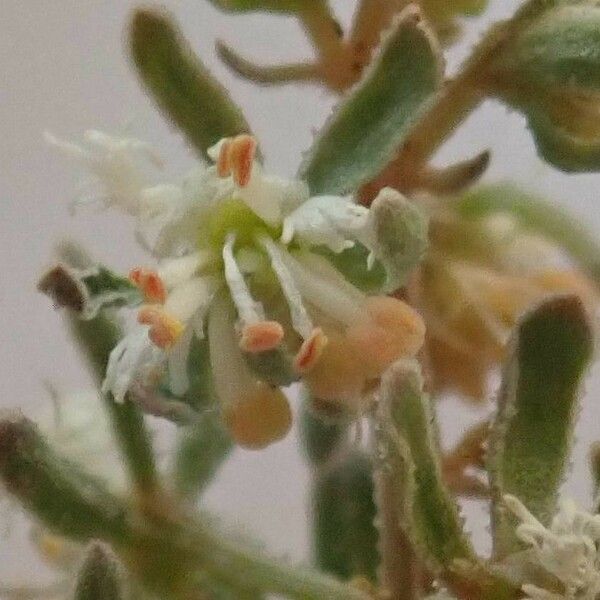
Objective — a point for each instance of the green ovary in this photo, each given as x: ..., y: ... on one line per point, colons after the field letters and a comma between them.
x: 234, y: 216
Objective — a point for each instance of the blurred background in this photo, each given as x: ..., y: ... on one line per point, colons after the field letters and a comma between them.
x: 65, y: 69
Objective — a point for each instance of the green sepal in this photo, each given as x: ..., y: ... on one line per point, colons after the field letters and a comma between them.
x: 182, y: 86
x: 352, y: 264
x: 537, y: 215
x: 559, y: 48
x: 282, y: 6
x: 345, y: 534
x: 98, y: 577
x: 273, y: 366
x: 537, y: 406
x: 320, y: 438
x: 368, y: 127
x: 87, y: 291
x: 567, y: 150
x: 63, y: 497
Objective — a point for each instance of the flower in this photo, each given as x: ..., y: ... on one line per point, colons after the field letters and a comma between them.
x: 245, y: 259
x: 569, y: 551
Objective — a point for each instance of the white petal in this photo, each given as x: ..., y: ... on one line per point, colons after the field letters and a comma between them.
x: 131, y: 359
x: 174, y: 271
x: 177, y: 363
x: 330, y: 221
x: 185, y: 299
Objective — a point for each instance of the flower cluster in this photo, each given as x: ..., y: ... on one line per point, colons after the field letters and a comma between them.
x: 247, y: 260
x: 568, y: 551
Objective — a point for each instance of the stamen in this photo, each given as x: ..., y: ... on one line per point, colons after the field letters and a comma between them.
x: 310, y: 351
x: 241, y: 156
x: 224, y: 160
x: 301, y: 321
x: 236, y: 156
x: 261, y: 337
x: 164, y: 329
x: 249, y: 311
x: 150, y: 283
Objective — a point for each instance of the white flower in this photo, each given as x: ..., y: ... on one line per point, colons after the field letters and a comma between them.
x: 569, y: 550
x: 240, y: 252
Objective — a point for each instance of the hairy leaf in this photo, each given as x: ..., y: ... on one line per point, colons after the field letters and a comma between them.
x: 369, y: 126
x: 537, y: 407
x: 98, y: 577
x: 182, y: 86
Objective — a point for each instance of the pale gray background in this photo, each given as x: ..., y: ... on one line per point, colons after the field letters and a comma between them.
x: 64, y: 69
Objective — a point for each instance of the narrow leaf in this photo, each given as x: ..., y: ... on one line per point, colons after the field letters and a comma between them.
x: 98, y: 577
x: 56, y: 491
x: 367, y: 128
x: 537, y: 215
x: 183, y: 87
x: 409, y: 466
x: 537, y: 407
x: 409, y: 450
x: 345, y: 534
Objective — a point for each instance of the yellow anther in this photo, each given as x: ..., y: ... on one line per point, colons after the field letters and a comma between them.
x: 261, y: 336
x: 164, y: 329
x: 51, y: 547
x: 310, y: 351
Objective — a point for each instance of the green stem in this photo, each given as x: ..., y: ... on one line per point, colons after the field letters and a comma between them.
x: 323, y: 30
x: 539, y: 216
x: 97, y: 337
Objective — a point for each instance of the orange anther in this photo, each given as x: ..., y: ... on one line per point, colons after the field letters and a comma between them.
x: 164, y: 329
x: 150, y: 284
x: 241, y: 157
x: 260, y: 337
x: 310, y: 351
x: 224, y: 160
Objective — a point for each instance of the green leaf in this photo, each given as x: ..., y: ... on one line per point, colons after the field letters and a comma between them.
x: 65, y: 499
x: 537, y: 407
x: 345, y: 534
x: 410, y: 454
x: 284, y: 6
x: 409, y: 469
x: 98, y: 577
x: 369, y: 126
x: 87, y: 291
x: 537, y: 215
x: 182, y: 86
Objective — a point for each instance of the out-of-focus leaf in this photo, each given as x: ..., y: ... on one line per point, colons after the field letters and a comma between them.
x: 284, y: 6
x: 98, y: 577
x: 537, y: 406
x: 189, y: 95
x: 368, y: 127
x: 345, y: 534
